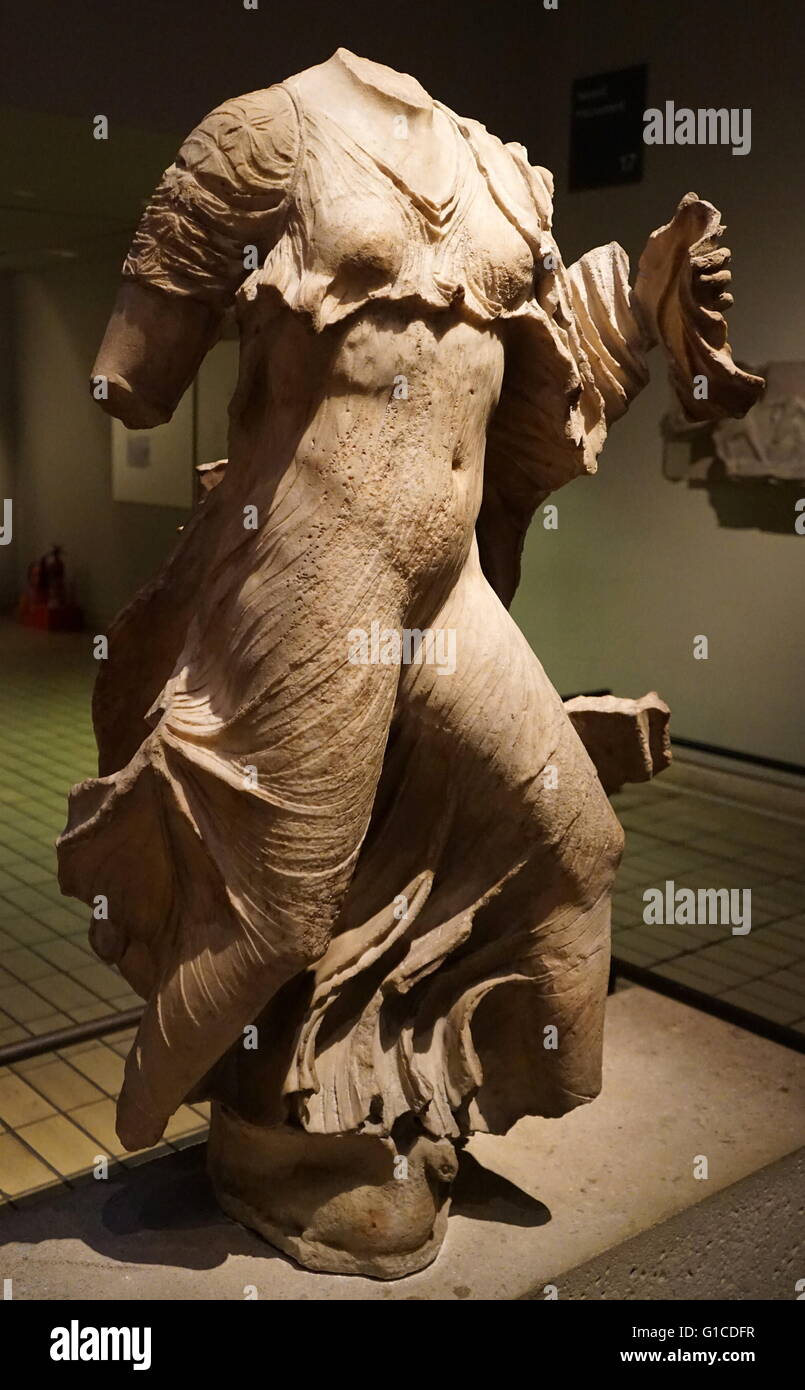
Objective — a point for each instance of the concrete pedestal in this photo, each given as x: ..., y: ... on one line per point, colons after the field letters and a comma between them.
x: 530, y: 1209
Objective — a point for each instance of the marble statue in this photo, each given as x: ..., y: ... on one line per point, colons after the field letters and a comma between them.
x: 768, y: 445
x: 345, y: 839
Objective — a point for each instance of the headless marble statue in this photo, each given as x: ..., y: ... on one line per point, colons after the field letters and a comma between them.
x: 358, y: 892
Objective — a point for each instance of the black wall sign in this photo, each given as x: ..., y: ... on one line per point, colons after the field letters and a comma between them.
x: 606, y: 128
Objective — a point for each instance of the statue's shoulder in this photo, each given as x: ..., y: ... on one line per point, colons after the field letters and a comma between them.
x: 246, y: 146
x: 507, y: 169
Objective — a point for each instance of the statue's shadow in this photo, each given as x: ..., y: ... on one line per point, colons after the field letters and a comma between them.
x: 164, y: 1213
x: 484, y: 1195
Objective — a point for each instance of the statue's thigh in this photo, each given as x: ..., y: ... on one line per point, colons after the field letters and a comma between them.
x: 494, y: 704
x: 526, y: 786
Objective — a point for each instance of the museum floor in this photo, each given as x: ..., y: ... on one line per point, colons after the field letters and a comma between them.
x: 696, y: 826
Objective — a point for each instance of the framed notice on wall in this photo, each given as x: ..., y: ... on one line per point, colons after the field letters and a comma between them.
x: 606, y: 128
x: 155, y: 466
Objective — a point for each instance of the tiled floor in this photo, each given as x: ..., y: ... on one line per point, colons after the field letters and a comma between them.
x: 49, y: 977
x: 57, y: 1118
x: 698, y: 841
x: 57, y: 1110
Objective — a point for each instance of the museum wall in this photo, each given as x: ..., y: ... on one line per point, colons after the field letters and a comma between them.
x: 8, y: 557
x: 639, y: 566
x: 63, y: 486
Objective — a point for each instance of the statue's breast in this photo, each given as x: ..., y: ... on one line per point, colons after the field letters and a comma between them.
x: 356, y: 230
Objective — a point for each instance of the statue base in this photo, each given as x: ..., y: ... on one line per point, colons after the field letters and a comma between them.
x: 338, y: 1204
